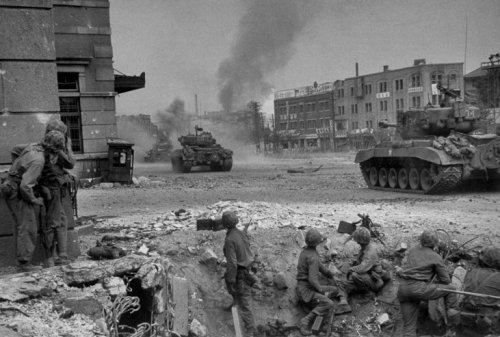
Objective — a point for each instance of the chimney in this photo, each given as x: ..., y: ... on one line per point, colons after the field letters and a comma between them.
x: 357, y: 70
x: 386, y: 68
x: 418, y: 62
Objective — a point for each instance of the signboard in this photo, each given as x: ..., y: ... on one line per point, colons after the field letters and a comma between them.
x: 383, y: 95
x: 415, y: 89
x: 304, y: 91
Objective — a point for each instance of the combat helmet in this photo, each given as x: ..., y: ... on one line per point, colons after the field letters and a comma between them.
x: 229, y: 219
x: 313, y: 238
x: 361, y: 235
x: 490, y: 257
x: 57, y: 125
x: 429, y: 239
x: 53, y: 141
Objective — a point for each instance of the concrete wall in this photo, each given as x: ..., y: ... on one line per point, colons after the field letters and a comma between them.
x: 28, y: 86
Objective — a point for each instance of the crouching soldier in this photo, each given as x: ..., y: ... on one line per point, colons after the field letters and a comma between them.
x: 239, y: 260
x: 367, y: 272
x: 28, y: 161
x: 416, y: 284
x: 309, y: 289
x: 480, y: 315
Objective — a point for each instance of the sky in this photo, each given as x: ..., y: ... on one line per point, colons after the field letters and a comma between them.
x: 230, y: 52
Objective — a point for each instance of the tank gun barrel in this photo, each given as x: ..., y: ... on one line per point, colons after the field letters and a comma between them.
x: 385, y: 124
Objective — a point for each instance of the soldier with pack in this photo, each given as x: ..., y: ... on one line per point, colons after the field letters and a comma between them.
x: 28, y: 161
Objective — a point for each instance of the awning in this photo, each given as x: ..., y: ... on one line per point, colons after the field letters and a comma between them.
x: 124, y: 83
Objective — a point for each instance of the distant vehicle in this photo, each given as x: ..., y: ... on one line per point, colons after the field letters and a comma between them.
x: 438, y: 150
x: 198, y: 150
x: 159, y: 152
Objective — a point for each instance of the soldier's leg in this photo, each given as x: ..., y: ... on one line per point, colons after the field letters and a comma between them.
x: 409, y: 312
x: 26, y: 231
x: 324, y: 304
x: 364, y: 281
x: 243, y: 299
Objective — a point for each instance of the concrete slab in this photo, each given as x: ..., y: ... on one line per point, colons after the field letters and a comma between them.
x: 180, y: 289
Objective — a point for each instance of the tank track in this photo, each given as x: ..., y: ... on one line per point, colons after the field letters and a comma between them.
x: 448, y: 178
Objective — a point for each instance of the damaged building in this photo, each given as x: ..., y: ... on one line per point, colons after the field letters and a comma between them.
x: 57, y: 59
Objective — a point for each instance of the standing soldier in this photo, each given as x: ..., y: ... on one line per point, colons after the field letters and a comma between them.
x: 239, y: 259
x: 309, y: 289
x: 422, y: 266
x: 17, y: 189
x: 55, y: 183
x: 367, y: 272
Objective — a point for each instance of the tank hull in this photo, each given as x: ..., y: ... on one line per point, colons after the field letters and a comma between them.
x: 424, y: 166
x: 218, y: 158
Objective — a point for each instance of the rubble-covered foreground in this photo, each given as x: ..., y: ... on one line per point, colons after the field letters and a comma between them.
x: 165, y: 248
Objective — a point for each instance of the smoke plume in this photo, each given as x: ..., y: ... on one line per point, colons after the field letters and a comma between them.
x: 264, y: 44
x: 173, y: 120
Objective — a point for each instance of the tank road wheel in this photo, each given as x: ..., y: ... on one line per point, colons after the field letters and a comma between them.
x: 227, y: 164
x: 392, y: 178
x: 382, y: 177
x: 425, y: 179
x: 403, y: 178
x: 373, y: 176
x: 414, y: 179
x: 215, y: 166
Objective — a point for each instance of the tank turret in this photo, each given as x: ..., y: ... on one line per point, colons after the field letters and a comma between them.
x: 201, y: 149
x: 435, y: 149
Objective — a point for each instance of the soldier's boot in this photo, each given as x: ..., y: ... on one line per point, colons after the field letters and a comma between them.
x: 304, y: 324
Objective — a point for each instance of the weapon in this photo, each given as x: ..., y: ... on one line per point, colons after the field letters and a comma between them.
x: 468, y: 293
x: 349, y: 228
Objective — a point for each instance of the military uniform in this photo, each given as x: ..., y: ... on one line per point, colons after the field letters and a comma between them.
x: 416, y: 284
x: 56, y: 183
x: 239, y: 258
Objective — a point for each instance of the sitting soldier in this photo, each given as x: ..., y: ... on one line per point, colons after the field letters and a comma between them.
x: 309, y: 289
x: 367, y: 272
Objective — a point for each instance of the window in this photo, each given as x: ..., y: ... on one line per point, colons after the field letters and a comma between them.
x: 415, y: 101
x: 313, y: 106
x: 436, y: 78
x: 72, y: 117
x: 354, y: 108
x: 368, y: 89
x: 383, y: 105
x: 382, y: 87
x: 369, y: 124
x: 67, y: 81
x: 301, y: 124
x: 399, y: 84
x: 352, y: 91
x: 368, y: 107
x: 354, y: 125
x: 415, y: 80
x: 293, y: 125
x: 400, y: 104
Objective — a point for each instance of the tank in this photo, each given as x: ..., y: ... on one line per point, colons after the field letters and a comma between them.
x: 201, y: 149
x: 436, y: 149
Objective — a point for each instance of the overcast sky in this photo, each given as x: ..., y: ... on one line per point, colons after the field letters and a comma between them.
x: 233, y: 51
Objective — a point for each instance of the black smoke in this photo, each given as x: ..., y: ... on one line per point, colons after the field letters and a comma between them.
x: 264, y: 44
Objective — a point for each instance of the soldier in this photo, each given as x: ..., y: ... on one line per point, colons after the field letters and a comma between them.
x: 239, y: 261
x: 55, y: 182
x: 309, y: 289
x: 422, y: 266
x: 480, y: 314
x: 367, y: 272
x: 17, y: 189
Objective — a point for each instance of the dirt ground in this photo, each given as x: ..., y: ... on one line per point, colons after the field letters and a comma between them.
x: 282, y: 207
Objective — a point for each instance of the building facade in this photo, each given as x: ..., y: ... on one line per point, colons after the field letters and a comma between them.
x: 56, y: 59
x: 303, y: 117
x: 361, y: 102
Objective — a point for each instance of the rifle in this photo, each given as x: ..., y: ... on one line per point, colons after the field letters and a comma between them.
x: 469, y: 293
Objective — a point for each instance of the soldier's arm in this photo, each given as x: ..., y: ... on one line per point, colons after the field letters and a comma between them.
x: 442, y: 273
x: 29, y: 180
x: 370, y: 258
x: 17, y: 150
x: 232, y: 262
x: 313, y: 274
x: 325, y: 271
x: 66, y: 158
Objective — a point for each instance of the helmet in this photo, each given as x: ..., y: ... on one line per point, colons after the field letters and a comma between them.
x: 490, y: 257
x: 313, y: 238
x: 229, y: 219
x: 56, y: 124
x: 429, y: 239
x: 361, y: 235
x: 53, y: 141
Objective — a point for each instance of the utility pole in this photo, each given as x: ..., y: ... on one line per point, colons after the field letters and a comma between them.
x: 257, y: 122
